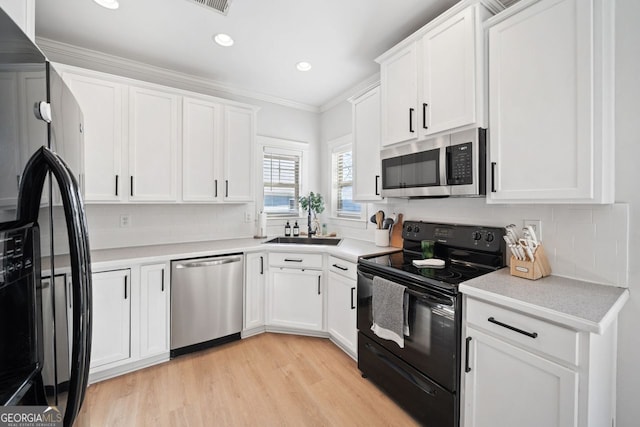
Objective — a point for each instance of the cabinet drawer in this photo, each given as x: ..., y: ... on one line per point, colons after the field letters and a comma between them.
x: 530, y: 332
x: 293, y: 260
x: 343, y: 268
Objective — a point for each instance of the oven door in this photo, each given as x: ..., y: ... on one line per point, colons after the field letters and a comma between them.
x: 432, y: 346
x: 417, y: 169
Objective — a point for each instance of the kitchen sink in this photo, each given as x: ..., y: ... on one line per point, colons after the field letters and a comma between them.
x: 306, y: 240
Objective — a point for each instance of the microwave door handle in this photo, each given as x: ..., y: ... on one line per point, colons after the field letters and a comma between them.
x: 444, y: 166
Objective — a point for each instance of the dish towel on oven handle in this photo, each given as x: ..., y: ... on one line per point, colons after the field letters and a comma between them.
x: 390, y: 310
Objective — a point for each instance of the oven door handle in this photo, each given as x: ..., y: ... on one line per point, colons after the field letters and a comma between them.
x: 406, y: 375
x: 422, y: 296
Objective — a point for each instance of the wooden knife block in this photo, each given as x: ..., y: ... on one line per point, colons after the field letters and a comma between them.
x: 531, y: 270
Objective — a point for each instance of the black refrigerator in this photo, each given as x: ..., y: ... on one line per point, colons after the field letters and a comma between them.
x: 45, y: 272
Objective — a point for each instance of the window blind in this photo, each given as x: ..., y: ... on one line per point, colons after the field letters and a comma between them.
x: 281, y: 176
x: 344, y: 182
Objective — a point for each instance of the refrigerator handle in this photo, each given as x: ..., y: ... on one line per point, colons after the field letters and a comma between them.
x: 38, y: 167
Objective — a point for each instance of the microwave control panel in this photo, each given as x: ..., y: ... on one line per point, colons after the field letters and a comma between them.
x: 460, y: 164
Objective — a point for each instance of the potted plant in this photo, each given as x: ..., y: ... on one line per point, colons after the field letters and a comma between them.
x: 312, y: 203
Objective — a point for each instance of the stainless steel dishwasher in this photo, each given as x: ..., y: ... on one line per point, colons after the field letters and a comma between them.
x: 206, y: 302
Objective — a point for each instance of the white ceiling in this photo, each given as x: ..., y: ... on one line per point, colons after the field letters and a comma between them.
x: 341, y: 38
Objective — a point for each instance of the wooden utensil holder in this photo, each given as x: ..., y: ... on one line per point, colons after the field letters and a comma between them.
x: 531, y: 270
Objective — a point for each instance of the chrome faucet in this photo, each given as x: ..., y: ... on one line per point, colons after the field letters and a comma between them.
x: 309, y: 231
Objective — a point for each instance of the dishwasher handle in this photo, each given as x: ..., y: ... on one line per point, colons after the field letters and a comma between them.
x: 208, y: 262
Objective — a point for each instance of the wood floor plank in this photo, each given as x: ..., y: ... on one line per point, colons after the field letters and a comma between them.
x: 265, y: 380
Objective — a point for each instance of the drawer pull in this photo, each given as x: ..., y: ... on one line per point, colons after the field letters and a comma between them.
x: 293, y: 259
x: 339, y: 267
x: 513, y: 328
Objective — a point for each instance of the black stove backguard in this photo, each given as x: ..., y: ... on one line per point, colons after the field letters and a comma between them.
x: 424, y: 376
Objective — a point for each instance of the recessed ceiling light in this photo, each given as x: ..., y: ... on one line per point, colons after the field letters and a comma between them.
x: 109, y: 4
x: 223, y: 39
x: 303, y: 66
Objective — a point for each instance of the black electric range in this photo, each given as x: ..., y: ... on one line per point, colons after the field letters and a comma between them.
x: 468, y: 251
x: 423, y: 375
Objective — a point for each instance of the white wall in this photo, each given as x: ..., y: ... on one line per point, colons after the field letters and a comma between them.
x: 627, y: 190
x: 596, y: 243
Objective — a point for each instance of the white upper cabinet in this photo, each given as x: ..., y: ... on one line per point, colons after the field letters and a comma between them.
x: 10, y: 164
x: 101, y: 103
x: 239, y: 142
x: 366, y: 146
x: 433, y: 81
x: 399, y: 85
x: 201, y: 145
x: 449, y: 74
x: 551, y: 103
x: 153, y: 145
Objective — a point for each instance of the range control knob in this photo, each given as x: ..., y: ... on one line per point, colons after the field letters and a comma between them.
x: 476, y: 235
x: 417, y: 229
x: 489, y: 237
x: 409, y: 229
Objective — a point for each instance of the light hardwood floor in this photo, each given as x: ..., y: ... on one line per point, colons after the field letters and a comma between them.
x: 265, y: 380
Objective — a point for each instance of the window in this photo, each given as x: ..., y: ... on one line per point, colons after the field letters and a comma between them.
x: 344, y: 206
x: 281, y: 178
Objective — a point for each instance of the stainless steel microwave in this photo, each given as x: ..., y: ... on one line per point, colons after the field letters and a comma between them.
x: 448, y: 165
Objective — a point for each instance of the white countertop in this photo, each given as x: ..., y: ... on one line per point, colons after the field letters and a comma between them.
x: 348, y: 249
x: 583, y: 306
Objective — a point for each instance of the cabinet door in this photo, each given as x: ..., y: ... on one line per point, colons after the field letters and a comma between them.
x: 201, y: 143
x: 254, y: 290
x: 399, y: 96
x: 366, y: 146
x: 341, y: 311
x: 154, y: 313
x: 153, y: 144
x: 101, y: 103
x: 10, y: 163
x: 449, y: 75
x: 239, y: 139
x: 111, y: 317
x: 541, y: 104
x: 295, y: 299
x: 508, y: 386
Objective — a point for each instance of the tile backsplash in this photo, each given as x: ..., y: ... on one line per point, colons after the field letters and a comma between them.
x: 586, y: 242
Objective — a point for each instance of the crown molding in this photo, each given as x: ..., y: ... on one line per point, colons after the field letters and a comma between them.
x: 363, y: 86
x: 99, y: 61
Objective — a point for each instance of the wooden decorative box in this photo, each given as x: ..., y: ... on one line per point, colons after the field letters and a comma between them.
x: 531, y: 270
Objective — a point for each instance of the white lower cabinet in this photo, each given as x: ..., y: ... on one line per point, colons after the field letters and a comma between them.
x: 154, y: 309
x: 522, y: 370
x: 111, y: 317
x: 341, y: 305
x: 509, y: 386
x: 295, y: 295
x: 255, y: 281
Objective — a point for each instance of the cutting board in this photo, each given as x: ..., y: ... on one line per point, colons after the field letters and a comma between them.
x: 396, y: 233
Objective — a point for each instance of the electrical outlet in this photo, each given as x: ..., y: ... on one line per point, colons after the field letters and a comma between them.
x: 536, y: 224
x: 125, y: 221
x: 247, y: 217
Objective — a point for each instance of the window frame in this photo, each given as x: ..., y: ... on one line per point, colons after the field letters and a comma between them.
x: 285, y: 148
x: 337, y: 146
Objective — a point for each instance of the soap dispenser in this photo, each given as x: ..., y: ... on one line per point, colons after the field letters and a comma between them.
x: 287, y: 229
x: 296, y: 230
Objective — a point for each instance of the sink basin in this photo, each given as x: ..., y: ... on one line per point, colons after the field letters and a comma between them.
x: 306, y: 240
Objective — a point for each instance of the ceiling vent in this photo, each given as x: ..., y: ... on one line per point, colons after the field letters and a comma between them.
x: 220, y: 6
